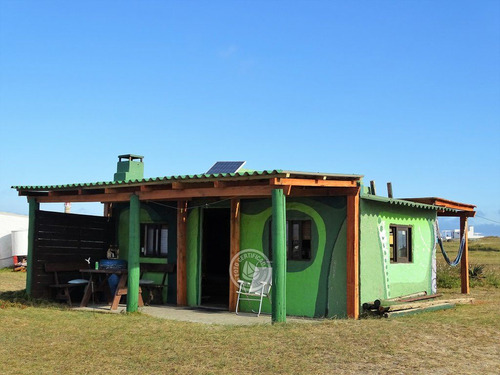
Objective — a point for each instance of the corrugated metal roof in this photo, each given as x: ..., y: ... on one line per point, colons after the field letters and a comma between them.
x: 189, y: 178
x: 401, y: 202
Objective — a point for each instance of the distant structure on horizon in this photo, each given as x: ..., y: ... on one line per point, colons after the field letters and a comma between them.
x: 453, y: 234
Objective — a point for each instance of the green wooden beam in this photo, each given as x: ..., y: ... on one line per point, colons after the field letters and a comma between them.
x: 33, y: 207
x: 279, y: 257
x: 134, y: 244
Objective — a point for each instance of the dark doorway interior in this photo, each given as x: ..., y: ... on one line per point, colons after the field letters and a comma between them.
x: 215, y: 258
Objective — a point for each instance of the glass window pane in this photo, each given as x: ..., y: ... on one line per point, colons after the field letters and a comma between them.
x: 306, y: 230
x: 402, y: 243
x: 295, y: 240
x: 391, y: 243
x: 296, y: 231
x: 164, y: 241
x: 150, y: 240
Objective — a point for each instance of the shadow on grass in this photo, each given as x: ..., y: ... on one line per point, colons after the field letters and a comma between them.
x: 21, y: 300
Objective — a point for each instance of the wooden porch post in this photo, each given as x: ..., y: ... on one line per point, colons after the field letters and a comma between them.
x: 134, y: 244
x: 181, y: 253
x: 464, y: 263
x: 353, y: 255
x: 33, y: 207
x: 279, y: 256
x: 235, y: 249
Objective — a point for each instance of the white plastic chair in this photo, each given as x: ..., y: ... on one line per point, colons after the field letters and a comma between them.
x: 258, y: 289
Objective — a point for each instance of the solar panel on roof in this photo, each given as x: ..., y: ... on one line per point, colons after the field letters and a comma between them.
x: 226, y: 167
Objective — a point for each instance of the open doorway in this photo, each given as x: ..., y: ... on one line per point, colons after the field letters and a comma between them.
x: 215, y: 258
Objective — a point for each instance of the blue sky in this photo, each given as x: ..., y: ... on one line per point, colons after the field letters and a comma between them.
x: 400, y: 91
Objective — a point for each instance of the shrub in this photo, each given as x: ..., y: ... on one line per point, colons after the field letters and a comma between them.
x: 476, y: 271
x: 447, y: 277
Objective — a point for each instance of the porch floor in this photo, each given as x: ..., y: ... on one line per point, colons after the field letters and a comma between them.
x: 196, y: 315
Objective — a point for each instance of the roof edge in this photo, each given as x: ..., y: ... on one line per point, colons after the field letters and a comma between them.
x: 404, y: 202
x: 190, y: 178
x: 442, y: 202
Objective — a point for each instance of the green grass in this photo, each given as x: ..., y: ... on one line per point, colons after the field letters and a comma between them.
x: 44, y: 338
x: 484, y: 253
x: 10, y: 280
x: 58, y: 340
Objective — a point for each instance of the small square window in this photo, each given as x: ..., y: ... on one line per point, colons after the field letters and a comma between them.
x: 400, y: 244
x: 154, y: 240
x: 298, y: 239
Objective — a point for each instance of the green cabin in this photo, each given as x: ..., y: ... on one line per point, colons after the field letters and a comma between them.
x: 331, y: 242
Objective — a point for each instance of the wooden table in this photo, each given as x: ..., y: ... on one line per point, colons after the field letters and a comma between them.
x: 101, y: 285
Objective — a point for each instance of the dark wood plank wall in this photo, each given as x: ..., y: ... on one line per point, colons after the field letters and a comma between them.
x: 67, y: 238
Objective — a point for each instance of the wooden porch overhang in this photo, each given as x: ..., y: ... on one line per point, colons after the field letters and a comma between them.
x: 463, y: 211
x: 459, y: 209
x: 293, y: 185
x: 230, y: 186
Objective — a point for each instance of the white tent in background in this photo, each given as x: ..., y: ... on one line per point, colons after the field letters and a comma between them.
x: 9, y: 223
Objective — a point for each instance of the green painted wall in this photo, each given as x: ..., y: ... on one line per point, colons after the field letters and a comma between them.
x: 149, y: 214
x: 378, y: 277
x: 316, y: 287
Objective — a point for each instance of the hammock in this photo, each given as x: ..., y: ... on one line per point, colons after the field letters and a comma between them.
x: 460, y: 249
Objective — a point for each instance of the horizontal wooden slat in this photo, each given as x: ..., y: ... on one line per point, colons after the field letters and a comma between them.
x: 48, y: 217
x: 66, y: 239
x: 76, y: 244
x: 64, y: 266
x: 70, y: 232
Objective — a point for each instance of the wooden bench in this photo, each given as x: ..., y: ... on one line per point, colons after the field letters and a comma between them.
x: 150, y: 285
x: 65, y: 278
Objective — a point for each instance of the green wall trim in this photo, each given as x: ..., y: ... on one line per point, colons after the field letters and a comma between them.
x: 337, y: 276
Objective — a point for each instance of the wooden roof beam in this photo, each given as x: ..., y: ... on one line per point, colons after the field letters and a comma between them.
x: 233, y: 191
x: 122, y: 189
x: 62, y: 192
x: 27, y: 193
x: 443, y: 203
x: 318, y: 182
x: 299, y: 191
x: 457, y: 214
x: 105, y: 197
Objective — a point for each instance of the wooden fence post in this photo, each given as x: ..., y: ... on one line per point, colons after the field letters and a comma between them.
x: 33, y: 207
